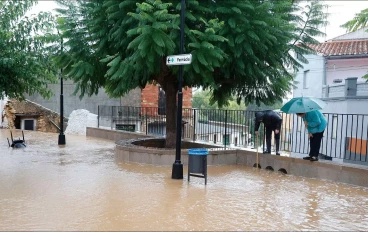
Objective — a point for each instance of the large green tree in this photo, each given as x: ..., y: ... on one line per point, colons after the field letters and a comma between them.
x: 240, y: 48
x: 359, y: 21
x: 25, y: 64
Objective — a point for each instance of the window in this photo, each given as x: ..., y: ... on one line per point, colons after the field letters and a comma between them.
x: 27, y: 124
x: 334, y: 126
x: 305, y: 79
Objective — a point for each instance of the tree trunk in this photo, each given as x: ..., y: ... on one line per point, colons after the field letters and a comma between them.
x: 170, y: 92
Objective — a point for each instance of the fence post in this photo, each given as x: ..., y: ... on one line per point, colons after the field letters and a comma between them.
x: 264, y: 135
x: 146, y: 121
x: 194, y: 123
x: 112, y: 116
x: 226, y: 128
x: 98, y: 116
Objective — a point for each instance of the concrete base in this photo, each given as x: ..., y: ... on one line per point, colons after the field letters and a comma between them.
x: 114, y: 135
x: 356, y: 175
x: 339, y: 172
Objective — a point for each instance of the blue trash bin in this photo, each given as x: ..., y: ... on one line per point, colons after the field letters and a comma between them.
x: 197, y: 160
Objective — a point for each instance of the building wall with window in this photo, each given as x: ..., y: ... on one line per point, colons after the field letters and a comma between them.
x: 309, y: 79
x: 335, y: 75
x: 27, y: 115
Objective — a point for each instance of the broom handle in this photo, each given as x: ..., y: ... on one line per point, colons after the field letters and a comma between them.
x: 257, y: 150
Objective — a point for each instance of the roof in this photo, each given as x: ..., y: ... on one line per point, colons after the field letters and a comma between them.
x: 360, y: 34
x: 353, y: 43
x: 342, y: 47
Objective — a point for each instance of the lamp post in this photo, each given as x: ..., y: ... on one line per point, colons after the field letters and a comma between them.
x: 61, y: 140
x: 177, y: 170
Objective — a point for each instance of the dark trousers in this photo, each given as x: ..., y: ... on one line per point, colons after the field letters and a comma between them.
x: 268, y: 138
x: 315, y: 144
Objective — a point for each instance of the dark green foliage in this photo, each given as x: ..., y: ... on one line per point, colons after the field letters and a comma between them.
x: 25, y: 64
x: 359, y: 21
x: 241, y: 48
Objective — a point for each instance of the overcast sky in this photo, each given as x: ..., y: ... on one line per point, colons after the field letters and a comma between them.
x: 340, y: 12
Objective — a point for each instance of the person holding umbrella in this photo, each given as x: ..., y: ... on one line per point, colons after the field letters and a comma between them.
x: 272, y: 122
x: 314, y: 121
x: 316, y: 124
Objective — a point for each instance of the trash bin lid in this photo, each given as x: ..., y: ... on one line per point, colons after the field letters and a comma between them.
x: 198, y: 151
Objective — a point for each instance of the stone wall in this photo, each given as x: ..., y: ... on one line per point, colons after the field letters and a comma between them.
x: 26, y: 109
x: 73, y: 102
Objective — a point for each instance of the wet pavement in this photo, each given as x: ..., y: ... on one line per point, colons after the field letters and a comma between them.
x: 79, y: 186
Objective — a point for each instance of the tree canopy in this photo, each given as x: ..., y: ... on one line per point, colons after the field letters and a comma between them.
x: 201, y: 100
x: 25, y: 64
x: 240, y: 48
x: 359, y: 21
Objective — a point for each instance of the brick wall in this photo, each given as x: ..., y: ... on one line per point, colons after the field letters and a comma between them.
x: 149, y: 97
x: 187, y: 98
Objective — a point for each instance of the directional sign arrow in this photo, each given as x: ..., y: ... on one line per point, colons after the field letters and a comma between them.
x: 182, y: 59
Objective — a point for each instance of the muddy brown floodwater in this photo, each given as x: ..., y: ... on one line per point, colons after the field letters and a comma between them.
x: 81, y: 187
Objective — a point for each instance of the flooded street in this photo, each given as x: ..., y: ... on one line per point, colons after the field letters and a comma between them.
x: 81, y: 187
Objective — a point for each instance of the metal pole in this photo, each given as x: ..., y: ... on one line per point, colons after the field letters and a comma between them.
x: 226, y: 130
x: 61, y: 140
x: 257, y: 136
x: 194, y: 124
x: 177, y: 170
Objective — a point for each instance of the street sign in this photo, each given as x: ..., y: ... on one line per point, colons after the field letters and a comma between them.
x: 179, y: 59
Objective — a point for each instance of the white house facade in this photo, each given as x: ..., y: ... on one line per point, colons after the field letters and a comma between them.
x: 335, y: 74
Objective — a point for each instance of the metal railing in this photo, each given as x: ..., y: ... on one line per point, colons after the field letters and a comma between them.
x: 345, y: 137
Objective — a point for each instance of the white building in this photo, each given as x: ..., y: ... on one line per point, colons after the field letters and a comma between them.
x: 335, y: 74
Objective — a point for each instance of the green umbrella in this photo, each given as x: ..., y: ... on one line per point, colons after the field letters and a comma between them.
x: 302, y: 105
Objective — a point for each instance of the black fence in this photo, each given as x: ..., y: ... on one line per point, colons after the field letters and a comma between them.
x: 345, y: 137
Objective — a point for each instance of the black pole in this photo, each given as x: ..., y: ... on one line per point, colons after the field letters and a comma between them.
x: 61, y: 140
x: 177, y: 170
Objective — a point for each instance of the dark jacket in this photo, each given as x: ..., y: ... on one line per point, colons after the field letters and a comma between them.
x: 269, y: 118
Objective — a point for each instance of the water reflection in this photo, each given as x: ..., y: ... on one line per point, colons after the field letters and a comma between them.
x: 81, y: 187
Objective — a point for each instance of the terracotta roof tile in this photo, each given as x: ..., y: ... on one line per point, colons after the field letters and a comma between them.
x: 339, y: 48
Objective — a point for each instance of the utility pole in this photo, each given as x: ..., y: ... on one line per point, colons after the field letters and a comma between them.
x: 61, y: 140
x: 177, y: 170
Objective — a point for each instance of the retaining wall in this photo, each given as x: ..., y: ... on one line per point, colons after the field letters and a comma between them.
x: 114, y: 135
x: 345, y: 173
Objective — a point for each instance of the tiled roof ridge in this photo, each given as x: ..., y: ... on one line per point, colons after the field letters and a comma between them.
x: 340, y: 48
x: 344, y: 40
x: 361, y: 29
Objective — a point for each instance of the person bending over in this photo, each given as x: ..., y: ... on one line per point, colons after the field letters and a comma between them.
x: 272, y: 122
x: 316, y: 124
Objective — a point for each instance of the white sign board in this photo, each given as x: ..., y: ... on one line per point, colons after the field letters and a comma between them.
x: 179, y: 59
